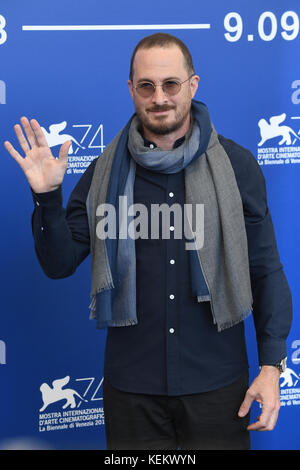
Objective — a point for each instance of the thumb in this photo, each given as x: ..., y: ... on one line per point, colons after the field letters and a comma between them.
x: 64, y: 150
x: 246, y: 405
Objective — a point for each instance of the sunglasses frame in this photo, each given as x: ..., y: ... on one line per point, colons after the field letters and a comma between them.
x: 137, y: 87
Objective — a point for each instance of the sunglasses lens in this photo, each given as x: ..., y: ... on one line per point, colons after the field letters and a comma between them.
x: 171, y: 87
x: 145, y: 89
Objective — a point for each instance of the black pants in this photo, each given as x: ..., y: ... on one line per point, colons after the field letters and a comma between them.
x: 200, y: 421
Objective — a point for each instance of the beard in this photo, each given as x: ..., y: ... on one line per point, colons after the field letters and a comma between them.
x: 162, y: 125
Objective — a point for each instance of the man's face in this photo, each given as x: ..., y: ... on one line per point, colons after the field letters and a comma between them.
x: 162, y: 114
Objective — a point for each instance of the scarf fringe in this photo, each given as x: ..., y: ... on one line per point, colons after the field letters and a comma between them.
x: 118, y: 323
x: 92, y: 306
x: 203, y: 298
x: 107, y: 323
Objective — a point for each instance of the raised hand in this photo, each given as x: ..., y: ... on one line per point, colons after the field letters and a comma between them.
x: 44, y: 172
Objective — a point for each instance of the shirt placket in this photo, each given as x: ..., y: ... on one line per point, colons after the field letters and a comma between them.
x: 172, y: 304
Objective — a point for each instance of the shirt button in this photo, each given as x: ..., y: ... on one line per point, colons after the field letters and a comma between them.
x: 151, y: 146
x: 172, y: 261
x: 42, y: 228
x: 171, y: 194
x: 171, y: 330
x: 172, y: 296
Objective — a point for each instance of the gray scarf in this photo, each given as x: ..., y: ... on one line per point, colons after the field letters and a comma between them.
x: 223, y: 258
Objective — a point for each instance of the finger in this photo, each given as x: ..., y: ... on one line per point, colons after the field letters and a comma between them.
x: 13, y: 152
x: 64, y: 150
x: 246, y: 405
x: 272, y: 417
x: 39, y: 134
x: 21, y: 138
x: 263, y: 419
x: 28, y: 131
x: 273, y: 420
x: 266, y: 421
x: 257, y: 426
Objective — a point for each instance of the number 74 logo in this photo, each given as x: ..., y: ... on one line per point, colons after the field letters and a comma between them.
x: 89, y: 384
x: 54, y: 137
x: 91, y: 145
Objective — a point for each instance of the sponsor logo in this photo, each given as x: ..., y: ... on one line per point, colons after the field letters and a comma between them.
x: 2, y: 92
x: 290, y: 380
x: 2, y: 352
x: 54, y: 136
x: 274, y: 129
x: 279, y: 142
x: 87, y: 143
x: 70, y: 407
x: 57, y: 393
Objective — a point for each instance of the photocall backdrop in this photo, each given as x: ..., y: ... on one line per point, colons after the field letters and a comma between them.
x: 66, y: 64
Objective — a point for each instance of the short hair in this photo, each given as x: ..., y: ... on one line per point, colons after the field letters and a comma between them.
x: 163, y: 40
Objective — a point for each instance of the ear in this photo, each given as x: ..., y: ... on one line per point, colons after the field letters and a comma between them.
x: 194, y: 84
x: 130, y: 86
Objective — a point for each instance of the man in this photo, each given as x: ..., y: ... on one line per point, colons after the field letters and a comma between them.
x: 176, y: 369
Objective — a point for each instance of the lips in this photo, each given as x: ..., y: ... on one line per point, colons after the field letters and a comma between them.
x: 160, y: 112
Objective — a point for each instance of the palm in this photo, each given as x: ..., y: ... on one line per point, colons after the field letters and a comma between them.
x: 41, y: 168
x: 43, y: 171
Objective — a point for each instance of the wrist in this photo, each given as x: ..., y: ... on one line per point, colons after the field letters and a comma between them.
x: 270, y: 370
x: 45, y: 190
x: 281, y: 366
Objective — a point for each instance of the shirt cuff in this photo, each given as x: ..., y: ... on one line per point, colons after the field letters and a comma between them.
x: 271, y: 351
x: 48, y: 199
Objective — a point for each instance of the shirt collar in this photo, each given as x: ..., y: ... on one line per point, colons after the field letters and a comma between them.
x: 152, y: 145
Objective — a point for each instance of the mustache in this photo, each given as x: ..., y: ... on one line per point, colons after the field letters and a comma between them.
x: 163, y: 107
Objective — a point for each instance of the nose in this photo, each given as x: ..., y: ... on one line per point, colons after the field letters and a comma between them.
x: 159, y: 96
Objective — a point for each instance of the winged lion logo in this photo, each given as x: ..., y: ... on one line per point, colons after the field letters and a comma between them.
x: 54, y: 137
x: 271, y: 129
x: 57, y: 393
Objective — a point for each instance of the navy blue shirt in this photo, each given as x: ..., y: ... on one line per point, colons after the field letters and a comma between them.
x: 175, y: 348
